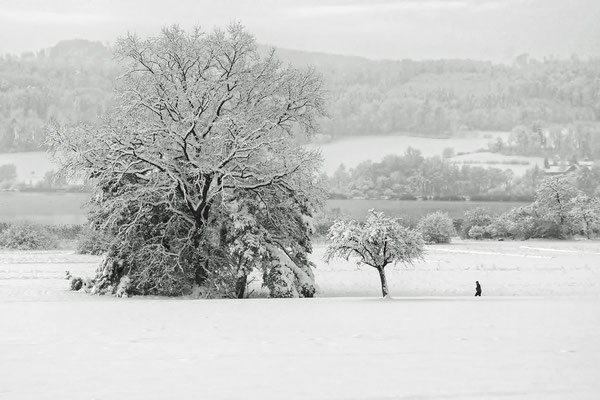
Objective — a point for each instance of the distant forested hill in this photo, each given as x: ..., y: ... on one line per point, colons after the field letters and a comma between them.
x: 73, y: 82
x: 440, y: 98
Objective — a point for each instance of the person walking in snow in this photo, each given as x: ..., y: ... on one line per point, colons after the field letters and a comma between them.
x: 477, y: 289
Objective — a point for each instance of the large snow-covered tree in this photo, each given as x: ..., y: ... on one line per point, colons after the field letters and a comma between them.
x: 377, y: 242
x: 198, y: 170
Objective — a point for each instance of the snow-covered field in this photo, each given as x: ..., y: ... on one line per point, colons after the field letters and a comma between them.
x: 535, y: 334
x: 509, y: 268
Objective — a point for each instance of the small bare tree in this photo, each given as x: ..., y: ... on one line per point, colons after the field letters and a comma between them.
x: 377, y: 242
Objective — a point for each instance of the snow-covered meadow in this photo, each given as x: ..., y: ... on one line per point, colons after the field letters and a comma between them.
x: 508, y: 268
x: 535, y: 333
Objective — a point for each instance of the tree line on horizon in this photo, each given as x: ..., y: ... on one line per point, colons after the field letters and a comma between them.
x: 411, y: 175
x: 74, y: 82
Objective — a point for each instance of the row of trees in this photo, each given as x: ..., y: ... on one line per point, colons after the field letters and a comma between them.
x: 576, y: 141
x: 442, y: 97
x: 560, y: 210
x: 73, y: 82
x: 412, y: 175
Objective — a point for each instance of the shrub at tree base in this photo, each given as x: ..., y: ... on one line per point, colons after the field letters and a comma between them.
x: 497, y: 228
x: 436, y: 228
x: 479, y: 216
x: 124, y: 287
x: 519, y: 223
x: 76, y: 284
x: 477, y: 232
x: 286, y: 279
x: 27, y: 236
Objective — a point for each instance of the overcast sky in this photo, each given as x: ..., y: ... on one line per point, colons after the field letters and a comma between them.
x: 496, y: 30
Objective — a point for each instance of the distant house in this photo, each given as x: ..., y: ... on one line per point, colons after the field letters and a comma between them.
x: 567, y: 168
x: 560, y: 169
x: 586, y: 164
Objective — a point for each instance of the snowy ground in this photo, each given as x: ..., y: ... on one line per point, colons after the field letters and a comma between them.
x: 534, y: 335
x: 509, y: 268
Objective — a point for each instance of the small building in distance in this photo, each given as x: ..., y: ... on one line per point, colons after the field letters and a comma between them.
x: 567, y: 167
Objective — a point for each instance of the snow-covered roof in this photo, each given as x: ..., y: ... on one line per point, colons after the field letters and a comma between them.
x: 560, y: 169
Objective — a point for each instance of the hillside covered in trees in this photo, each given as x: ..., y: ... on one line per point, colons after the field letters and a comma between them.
x: 74, y: 82
x: 70, y: 82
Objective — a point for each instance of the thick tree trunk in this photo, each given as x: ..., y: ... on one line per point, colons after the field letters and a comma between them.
x: 588, y: 230
x: 240, y: 286
x: 384, y: 286
x: 201, y: 271
x: 201, y: 274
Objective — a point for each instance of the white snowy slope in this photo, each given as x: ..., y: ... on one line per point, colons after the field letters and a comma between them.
x: 433, y: 343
